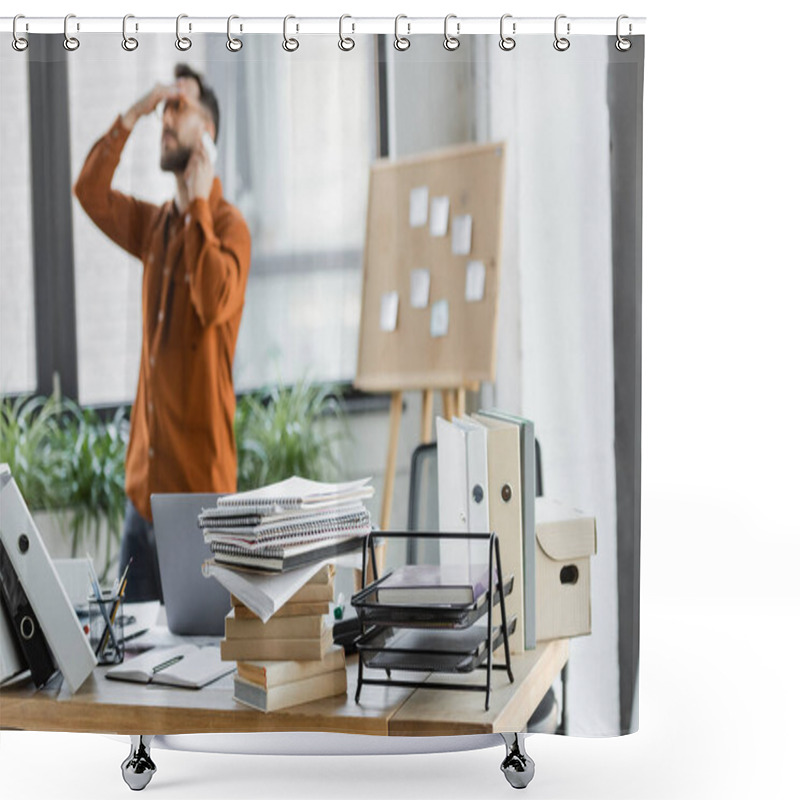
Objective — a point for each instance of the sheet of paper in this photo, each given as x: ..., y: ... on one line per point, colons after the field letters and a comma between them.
x: 418, y: 207
x: 462, y: 235
x: 476, y: 281
x: 389, y: 302
x: 440, y: 212
x: 420, y: 287
x: 440, y: 318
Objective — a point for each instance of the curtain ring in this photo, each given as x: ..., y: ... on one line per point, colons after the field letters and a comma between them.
x: 346, y: 43
x: 401, y: 43
x: 70, y: 42
x: 507, y: 42
x: 288, y: 44
x: 183, y: 43
x: 233, y: 44
x: 622, y: 44
x: 129, y: 43
x: 451, y: 42
x: 561, y: 43
x: 19, y: 43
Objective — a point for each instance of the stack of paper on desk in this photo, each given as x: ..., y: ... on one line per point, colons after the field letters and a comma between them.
x: 288, y: 524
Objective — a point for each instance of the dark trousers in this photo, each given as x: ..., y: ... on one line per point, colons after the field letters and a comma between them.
x: 139, y: 543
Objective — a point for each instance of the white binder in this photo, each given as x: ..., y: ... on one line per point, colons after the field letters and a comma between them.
x: 451, y: 461
x: 65, y: 637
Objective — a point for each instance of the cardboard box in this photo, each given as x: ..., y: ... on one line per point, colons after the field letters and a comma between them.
x: 565, y: 541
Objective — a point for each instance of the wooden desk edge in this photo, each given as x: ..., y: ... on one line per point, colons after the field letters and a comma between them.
x: 31, y: 711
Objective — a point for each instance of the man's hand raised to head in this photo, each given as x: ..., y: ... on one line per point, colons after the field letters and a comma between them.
x: 199, y: 174
x: 148, y: 103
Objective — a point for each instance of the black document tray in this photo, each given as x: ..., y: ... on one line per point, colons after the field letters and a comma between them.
x: 429, y: 650
x: 423, y: 615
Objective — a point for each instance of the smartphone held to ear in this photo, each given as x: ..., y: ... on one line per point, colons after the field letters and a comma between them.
x: 209, y: 146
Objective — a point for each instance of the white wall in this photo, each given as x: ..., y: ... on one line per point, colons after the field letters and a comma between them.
x: 558, y: 307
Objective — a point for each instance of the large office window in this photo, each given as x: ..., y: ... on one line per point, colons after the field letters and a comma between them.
x: 295, y: 147
x: 108, y: 280
x: 17, y: 324
x: 298, y: 135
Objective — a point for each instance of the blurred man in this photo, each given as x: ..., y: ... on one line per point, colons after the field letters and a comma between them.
x: 196, y: 255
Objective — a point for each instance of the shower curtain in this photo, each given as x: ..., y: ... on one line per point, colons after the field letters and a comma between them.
x: 297, y: 134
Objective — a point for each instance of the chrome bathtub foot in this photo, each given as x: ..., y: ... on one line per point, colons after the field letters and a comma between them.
x: 138, y: 768
x: 518, y: 766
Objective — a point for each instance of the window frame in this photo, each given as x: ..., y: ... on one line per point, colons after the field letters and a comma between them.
x: 54, y: 306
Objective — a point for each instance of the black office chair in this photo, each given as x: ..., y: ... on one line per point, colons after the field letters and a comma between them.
x: 423, y: 514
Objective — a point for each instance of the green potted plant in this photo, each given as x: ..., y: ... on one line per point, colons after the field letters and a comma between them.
x: 289, y: 430
x: 70, y: 467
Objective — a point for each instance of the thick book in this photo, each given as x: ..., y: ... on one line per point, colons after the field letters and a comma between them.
x: 187, y: 666
x: 276, y: 673
x: 287, y: 610
x: 282, y: 559
x: 280, y: 628
x: 298, y: 494
x: 329, y: 684
x: 311, y: 649
x: 415, y: 584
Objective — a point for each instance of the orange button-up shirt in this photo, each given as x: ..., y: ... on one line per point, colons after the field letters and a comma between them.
x: 193, y: 285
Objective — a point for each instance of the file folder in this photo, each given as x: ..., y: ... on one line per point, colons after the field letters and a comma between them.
x: 529, y: 480
x: 452, y: 480
x: 505, y: 511
x: 38, y: 579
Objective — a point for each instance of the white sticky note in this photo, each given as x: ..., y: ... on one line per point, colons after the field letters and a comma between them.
x: 476, y: 281
x: 420, y: 287
x: 440, y: 212
x: 418, y: 207
x: 462, y: 235
x: 440, y: 318
x: 389, y: 303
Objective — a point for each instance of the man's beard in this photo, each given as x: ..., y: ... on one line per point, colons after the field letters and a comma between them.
x: 176, y: 160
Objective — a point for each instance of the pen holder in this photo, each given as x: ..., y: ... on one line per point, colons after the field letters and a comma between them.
x: 107, y: 642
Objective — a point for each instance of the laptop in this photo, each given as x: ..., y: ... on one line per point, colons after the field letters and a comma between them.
x: 195, y: 606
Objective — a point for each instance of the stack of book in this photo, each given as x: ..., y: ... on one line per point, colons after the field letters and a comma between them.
x: 291, y: 658
x: 287, y: 525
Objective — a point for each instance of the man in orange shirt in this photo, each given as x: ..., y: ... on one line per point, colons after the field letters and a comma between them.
x: 196, y: 255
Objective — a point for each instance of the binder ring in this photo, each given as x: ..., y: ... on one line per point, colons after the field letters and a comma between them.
x: 401, y: 43
x: 233, y: 44
x: 451, y: 42
x: 129, y: 43
x: 70, y: 42
x: 183, y: 43
x: 346, y: 43
x: 19, y: 43
x: 561, y: 43
x: 288, y: 44
x: 622, y: 44
x: 507, y: 42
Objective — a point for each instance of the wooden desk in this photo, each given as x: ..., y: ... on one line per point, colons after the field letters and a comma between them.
x: 104, y: 706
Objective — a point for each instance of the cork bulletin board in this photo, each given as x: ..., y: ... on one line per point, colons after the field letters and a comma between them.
x: 429, y: 298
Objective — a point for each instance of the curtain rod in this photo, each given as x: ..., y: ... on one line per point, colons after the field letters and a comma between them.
x: 300, y: 25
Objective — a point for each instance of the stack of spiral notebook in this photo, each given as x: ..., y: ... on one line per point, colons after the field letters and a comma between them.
x: 288, y: 524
